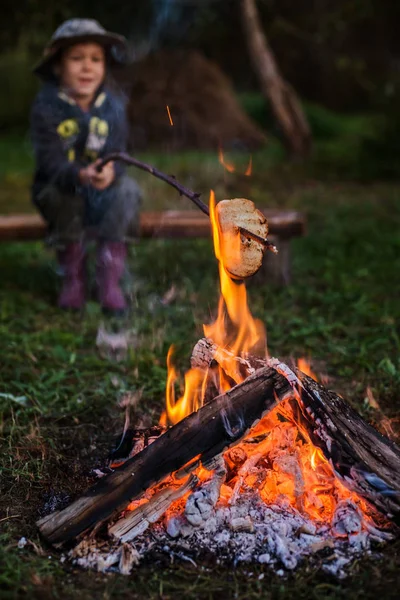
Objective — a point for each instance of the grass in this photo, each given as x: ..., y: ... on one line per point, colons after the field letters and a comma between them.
x: 58, y: 397
x: 361, y: 146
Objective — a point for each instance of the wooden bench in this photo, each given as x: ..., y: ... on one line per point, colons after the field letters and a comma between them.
x: 176, y: 224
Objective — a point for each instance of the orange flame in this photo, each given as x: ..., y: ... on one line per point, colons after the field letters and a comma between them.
x: 316, y: 455
x: 305, y: 366
x: 235, y: 326
x: 249, y: 171
x: 170, y: 117
x: 300, y: 472
x: 230, y: 167
x: 192, y: 398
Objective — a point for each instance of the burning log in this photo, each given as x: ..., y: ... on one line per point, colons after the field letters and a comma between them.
x: 367, y: 462
x: 138, y: 520
x: 206, y: 354
x: 202, y: 435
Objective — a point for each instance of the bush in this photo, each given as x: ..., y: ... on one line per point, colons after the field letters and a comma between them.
x: 18, y: 86
x: 380, y: 154
x: 361, y: 146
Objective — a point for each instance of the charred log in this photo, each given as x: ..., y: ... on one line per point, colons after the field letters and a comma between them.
x: 138, y: 520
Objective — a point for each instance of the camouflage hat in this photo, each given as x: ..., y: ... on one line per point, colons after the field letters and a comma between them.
x: 75, y: 31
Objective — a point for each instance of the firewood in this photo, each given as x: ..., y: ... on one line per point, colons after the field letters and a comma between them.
x: 367, y: 462
x: 138, y: 520
x: 364, y: 460
x: 242, y: 256
x: 204, y: 434
x: 246, y: 467
x: 205, y: 354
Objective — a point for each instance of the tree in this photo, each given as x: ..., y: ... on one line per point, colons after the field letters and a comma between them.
x: 282, y: 97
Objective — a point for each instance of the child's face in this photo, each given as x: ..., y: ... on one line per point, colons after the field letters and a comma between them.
x: 82, y: 69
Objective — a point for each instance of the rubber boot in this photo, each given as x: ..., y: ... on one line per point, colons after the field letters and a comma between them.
x: 111, y: 259
x: 72, y: 260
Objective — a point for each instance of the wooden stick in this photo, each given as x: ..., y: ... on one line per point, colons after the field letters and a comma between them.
x: 170, y: 179
x: 204, y: 434
x: 184, y: 191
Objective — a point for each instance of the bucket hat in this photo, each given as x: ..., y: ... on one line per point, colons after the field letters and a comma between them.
x: 75, y: 31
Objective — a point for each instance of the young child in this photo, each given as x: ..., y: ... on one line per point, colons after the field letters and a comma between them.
x: 76, y: 119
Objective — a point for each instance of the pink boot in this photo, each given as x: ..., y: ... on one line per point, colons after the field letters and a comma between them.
x: 110, y: 268
x: 72, y: 260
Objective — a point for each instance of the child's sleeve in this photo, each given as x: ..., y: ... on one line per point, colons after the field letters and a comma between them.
x: 118, y: 136
x: 51, y: 156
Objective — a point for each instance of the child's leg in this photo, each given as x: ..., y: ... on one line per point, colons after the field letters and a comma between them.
x: 119, y: 222
x: 121, y: 217
x: 64, y: 215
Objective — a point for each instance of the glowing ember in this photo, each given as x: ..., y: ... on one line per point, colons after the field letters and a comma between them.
x: 272, y: 499
x: 169, y: 116
x: 249, y: 171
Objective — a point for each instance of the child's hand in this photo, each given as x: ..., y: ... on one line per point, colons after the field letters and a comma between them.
x: 99, y: 180
x: 103, y: 179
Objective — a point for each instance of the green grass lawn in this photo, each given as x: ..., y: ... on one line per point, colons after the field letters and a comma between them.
x: 58, y: 398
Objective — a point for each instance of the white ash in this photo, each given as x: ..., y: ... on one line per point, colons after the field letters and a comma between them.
x: 104, y: 557
x: 247, y: 532
x: 114, y: 346
x: 98, y: 473
x: 199, y: 508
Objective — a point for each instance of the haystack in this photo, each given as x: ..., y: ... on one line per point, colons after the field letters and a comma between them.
x: 202, y: 104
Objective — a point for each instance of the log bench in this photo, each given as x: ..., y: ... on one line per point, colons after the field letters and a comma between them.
x: 176, y: 224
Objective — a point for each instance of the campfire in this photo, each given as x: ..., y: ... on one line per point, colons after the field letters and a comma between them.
x: 253, y: 461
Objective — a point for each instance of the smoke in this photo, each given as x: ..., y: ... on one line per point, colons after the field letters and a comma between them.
x: 171, y: 24
x: 233, y: 430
